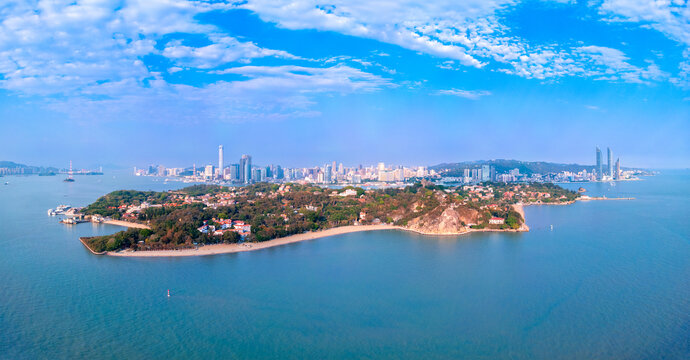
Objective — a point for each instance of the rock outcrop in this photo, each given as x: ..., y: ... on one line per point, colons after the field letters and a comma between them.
x: 448, y: 219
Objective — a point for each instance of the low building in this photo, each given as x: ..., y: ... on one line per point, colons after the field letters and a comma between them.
x: 496, y: 221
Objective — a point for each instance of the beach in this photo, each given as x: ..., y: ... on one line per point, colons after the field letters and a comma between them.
x: 233, y: 248
x: 127, y: 224
x: 215, y: 249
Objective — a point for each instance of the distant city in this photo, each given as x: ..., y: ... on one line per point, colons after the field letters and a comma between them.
x: 381, y: 174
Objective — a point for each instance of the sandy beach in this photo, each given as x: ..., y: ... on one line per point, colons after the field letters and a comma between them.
x: 127, y: 224
x: 233, y: 248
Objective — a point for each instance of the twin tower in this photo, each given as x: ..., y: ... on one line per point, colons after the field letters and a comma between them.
x: 613, y: 173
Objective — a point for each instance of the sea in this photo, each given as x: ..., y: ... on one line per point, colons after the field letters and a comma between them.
x: 592, y: 280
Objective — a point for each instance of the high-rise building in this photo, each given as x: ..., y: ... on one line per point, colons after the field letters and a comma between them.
x: 259, y: 174
x: 327, y: 174
x: 208, y: 171
x: 235, y: 172
x: 610, y: 161
x: 486, y: 173
x: 220, y: 161
x: 618, y: 169
x: 599, y: 169
x: 246, y: 169
x: 476, y: 174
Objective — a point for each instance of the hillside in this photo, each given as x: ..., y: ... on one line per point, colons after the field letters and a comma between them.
x: 212, y: 214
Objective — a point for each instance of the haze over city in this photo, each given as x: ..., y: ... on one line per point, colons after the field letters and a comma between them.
x: 411, y: 83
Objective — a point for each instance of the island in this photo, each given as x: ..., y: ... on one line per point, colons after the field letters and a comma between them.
x: 211, y: 219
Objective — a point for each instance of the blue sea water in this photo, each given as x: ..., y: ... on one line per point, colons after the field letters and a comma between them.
x: 610, y: 281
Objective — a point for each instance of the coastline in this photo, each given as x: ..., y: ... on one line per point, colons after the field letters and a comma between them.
x: 216, y: 249
x: 234, y: 248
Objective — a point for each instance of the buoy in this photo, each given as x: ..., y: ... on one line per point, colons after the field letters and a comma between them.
x: 168, y: 292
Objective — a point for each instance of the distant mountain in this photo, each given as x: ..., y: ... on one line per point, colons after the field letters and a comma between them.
x: 503, y: 166
x: 11, y: 165
x: 13, y: 168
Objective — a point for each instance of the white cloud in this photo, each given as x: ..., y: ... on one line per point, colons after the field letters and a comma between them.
x: 468, y: 32
x: 669, y: 17
x: 339, y: 78
x: 93, y: 50
x: 448, y: 29
x: 61, y: 47
x: 87, y: 57
x: 613, y: 64
x: 592, y: 107
x: 467, y: 94
x: 265, y: 93
x: 224, y: 49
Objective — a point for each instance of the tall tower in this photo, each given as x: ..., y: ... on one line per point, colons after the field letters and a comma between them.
x: 610, y: 161
x: 599, y: 169
x: 220, y: 161
x: 618, y: 169
x: 246, y: 169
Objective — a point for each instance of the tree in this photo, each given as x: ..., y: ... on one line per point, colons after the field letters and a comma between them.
x: 231, y: 237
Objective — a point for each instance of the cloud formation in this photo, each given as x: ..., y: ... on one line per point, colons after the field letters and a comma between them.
x: 467, y: 94
x: 471, y: 33
x: 85, y: 54
x: 88, y: 58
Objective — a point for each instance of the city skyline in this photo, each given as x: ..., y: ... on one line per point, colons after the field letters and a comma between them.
x: 412, y: 83
x: 244, y: 172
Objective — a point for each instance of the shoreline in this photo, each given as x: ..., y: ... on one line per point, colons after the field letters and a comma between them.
x: 216, y: 249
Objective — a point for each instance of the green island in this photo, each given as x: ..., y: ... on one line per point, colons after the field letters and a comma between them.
x: 211, y: 214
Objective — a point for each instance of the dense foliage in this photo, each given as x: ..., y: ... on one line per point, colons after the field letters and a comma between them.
x: 275, y: 210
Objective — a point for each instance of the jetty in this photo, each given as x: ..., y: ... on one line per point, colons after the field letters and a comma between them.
x: 589, y: 198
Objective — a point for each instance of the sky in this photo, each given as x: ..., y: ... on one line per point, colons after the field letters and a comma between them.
x: 302, y: 83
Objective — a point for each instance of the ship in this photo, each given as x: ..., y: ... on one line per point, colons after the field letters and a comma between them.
x: 60, y: 210
x: 70, y: 178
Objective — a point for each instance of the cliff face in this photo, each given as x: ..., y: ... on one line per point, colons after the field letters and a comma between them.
x: 446, y: 219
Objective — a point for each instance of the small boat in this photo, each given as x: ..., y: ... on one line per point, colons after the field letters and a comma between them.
x: 551, y: 227
x: 51, y: 212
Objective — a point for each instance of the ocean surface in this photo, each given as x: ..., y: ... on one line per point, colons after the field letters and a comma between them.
x: 610, y: 281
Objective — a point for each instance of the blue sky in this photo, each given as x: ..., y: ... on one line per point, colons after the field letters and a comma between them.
x: 300, y: 83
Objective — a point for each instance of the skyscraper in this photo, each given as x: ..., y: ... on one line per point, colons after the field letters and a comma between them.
x: 618, y: 169
x: 208, y: 171
x: 486, y: 173
x: 327, y: 174
x: 610, y: 161
x: 246, y: 169
x: 220, y: 161
x: 599, y: 169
